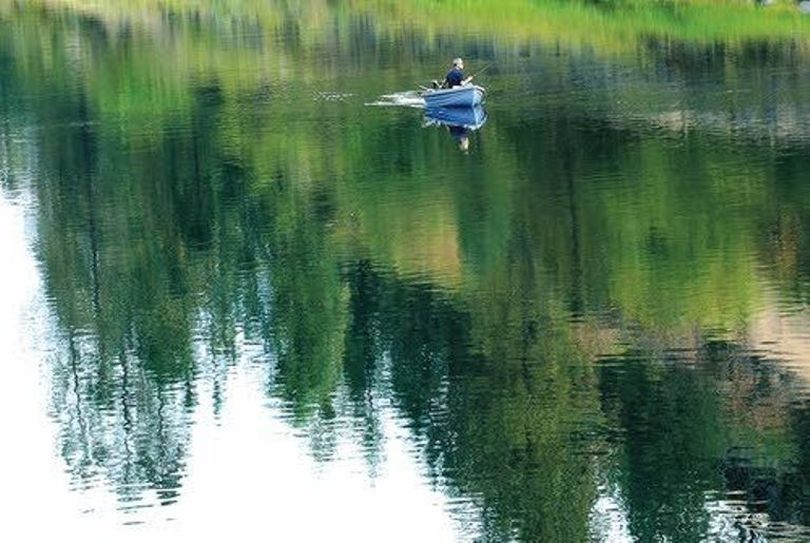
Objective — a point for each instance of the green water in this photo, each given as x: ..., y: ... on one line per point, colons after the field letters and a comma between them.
x: 591, y: 324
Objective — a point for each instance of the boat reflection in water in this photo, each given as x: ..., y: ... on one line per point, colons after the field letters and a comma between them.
x: 460, y: 121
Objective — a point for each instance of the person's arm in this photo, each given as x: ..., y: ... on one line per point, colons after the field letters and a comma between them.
x: 467, y: 80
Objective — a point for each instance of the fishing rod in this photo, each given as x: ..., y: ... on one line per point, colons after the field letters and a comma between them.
x: 482, y: 70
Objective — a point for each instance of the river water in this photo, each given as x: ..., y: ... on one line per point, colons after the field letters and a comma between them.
x: 252, y: 290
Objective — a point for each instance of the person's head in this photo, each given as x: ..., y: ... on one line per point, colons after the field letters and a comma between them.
x: 464, y: 143
x: 458, y: 63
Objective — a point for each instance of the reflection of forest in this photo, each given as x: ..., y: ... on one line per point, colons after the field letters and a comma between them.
x: 572, y: 306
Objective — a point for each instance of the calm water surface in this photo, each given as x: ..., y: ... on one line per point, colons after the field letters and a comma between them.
x: 241, y: 301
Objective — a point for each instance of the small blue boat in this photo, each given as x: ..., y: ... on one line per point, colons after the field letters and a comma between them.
x: 462, y: 96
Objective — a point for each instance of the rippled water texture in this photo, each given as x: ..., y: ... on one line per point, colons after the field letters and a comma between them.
x: 240, y: 300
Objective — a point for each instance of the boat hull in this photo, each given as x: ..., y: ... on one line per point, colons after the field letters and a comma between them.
x: 464, y: 96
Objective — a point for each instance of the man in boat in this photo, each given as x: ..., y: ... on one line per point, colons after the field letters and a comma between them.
x: 455, y: 77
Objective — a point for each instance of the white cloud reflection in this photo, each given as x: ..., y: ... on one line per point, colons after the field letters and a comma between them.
x: 249, y: 477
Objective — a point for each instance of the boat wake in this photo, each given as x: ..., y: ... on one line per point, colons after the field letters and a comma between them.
x: 320, y: 96
x: 400, y: 99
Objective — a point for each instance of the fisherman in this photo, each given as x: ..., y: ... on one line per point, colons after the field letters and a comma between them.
x: 455, y: 76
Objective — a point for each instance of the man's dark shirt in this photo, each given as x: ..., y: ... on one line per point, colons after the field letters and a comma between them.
x: 454, y: 78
